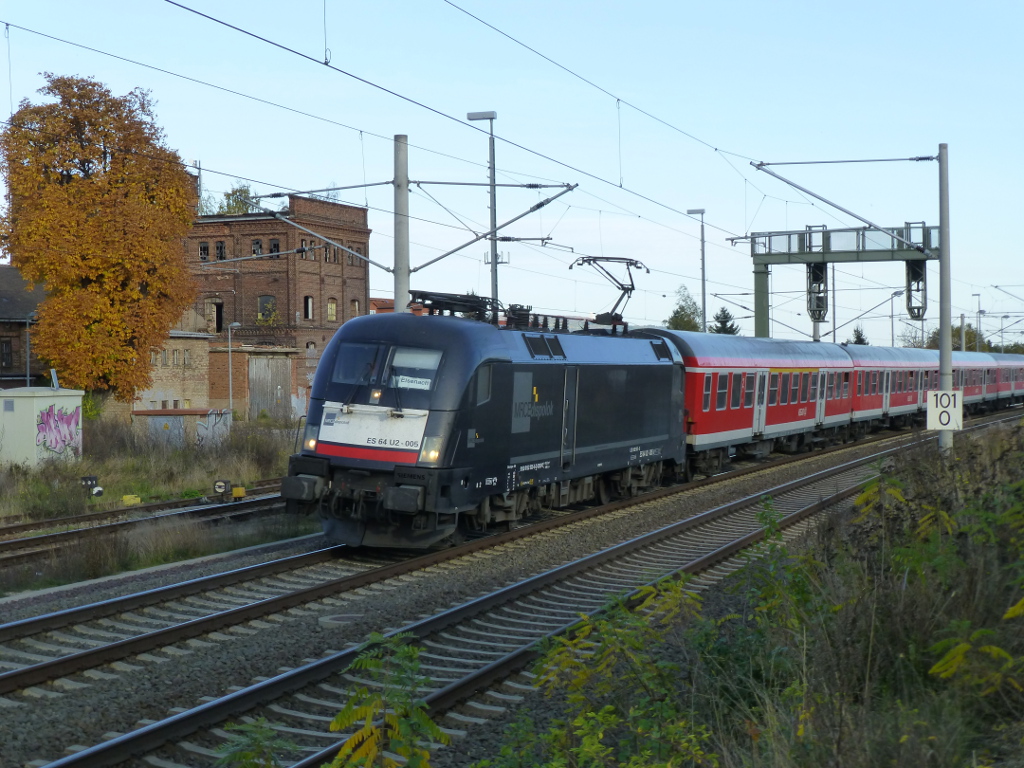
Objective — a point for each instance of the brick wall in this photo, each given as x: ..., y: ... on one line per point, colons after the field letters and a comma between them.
x: 180, y: 375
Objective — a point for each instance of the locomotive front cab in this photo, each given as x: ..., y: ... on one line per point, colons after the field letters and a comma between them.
x: 372, y: 463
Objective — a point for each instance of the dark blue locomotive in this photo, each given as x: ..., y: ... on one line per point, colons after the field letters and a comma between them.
x: 419, y: 427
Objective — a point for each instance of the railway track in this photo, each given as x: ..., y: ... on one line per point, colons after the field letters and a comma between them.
x: 26, y: 549
x: 12, y: 530
x: 196, y: 612
x: 470, y: 648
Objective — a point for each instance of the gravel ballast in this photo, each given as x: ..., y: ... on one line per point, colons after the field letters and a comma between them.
x: 42, y: 727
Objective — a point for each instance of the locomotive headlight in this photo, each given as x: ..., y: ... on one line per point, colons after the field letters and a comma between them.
x: 430, y: 452
x: 310, y: 436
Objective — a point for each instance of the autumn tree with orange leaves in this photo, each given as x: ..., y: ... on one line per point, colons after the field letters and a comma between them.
x: 97, y: 209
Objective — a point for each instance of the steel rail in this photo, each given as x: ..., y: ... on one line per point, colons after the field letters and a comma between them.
x: 153, y: 736
x: 262, y: 487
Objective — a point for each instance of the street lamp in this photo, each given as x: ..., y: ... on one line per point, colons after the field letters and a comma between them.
x: 28, y: 347
x: 231, y: 370
x: 703, y: 280
x: 892, y: 316
x: 491, y: 117
x: 977, y: 329
x: 1002, y: 328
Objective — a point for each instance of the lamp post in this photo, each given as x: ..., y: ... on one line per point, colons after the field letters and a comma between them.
x: 491, y: 117
x: 231, y: 371
x: 892, y: 317
x: 703, y: 280
x: 977, y: 328
x: 28, y: 347
x: 1002, y: 328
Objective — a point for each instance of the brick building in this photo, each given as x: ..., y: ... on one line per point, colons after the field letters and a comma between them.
x: 292, y: 298
x: 16, y: 307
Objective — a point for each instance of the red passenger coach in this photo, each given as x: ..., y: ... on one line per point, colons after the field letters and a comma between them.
x: 891, y: 384
x: 758, y: 395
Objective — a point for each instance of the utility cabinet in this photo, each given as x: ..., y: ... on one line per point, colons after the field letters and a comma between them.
x: 40, y: 423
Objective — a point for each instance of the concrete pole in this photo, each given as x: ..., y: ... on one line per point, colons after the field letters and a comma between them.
x: 945, y: 293
x: 231, y: 377
x: 963, y: 333
x: 834, y: 305
x: 703, y: 281
x: 761, y: 320
x: 494, y: 219
x: 816, y: 332
x: 892, y: 322
x: 28, y: 351
x: 401, y: 223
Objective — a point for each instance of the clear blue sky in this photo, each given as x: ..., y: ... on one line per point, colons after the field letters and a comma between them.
x: 766, y: 81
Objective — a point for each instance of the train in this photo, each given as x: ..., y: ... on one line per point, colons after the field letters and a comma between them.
x: 423, y: 429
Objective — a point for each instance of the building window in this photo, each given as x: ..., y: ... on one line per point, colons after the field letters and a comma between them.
x: 302, y: 248
x: 307, y: 307
x: 204, y: 251
x: 186, y: 358
x: 354, y: 306
x: 187, y: 404
x: 175, y: 405
x: 221, y: 251
x: 257, y: 247
x: 163, y: 355
x: 332, y: 310
x: 6, y: 354
x: 266, y: 306
x: 275, y: 248
x: 163, y: 404
x: 153, y: 357
x: 312, y: 250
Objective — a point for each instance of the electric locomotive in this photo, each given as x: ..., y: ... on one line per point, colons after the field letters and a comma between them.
x: 422, y: 428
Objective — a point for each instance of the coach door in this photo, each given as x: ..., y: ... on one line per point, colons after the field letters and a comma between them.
x: 885, y: 393
x: 759, y: 402
x: 569, y: 416
x: 819, y: 409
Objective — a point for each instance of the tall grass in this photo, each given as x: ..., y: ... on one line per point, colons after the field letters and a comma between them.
x: 128, y: 462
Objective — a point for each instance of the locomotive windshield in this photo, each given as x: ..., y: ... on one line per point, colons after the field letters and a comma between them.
x: 381, y: 374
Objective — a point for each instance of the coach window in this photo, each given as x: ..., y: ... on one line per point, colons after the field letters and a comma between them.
x: 221, y: 251
x: 707, y: 391
x: 748, y: 397
x: 813, y: 394
x: 332, y: 310
x: 204, y: 251
x: 830, y: 391
x: 784, y: 390
x: 307, y: 307
x: 846, y: 385
x: 723, y: 392
x: 860, y: 383
x: 874, y: 382
x: 773, y: 389
x: 805, y: 383
x: 794, y: 392
x: 737, y: 390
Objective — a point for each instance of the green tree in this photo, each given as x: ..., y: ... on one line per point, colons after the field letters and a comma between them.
x: 234, y: 201
x: 724, y: 323
x: 858, y: 336
x: 686, y: 315
x: 97, y: 211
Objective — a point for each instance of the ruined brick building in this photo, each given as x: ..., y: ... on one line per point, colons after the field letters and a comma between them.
x: 287, y: 289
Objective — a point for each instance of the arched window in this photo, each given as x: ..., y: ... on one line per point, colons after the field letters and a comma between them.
x: 354, y: 305
x: 307, y: 307
x: 332, y: 310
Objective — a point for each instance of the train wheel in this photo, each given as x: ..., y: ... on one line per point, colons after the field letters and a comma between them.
x: 604, y: 495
